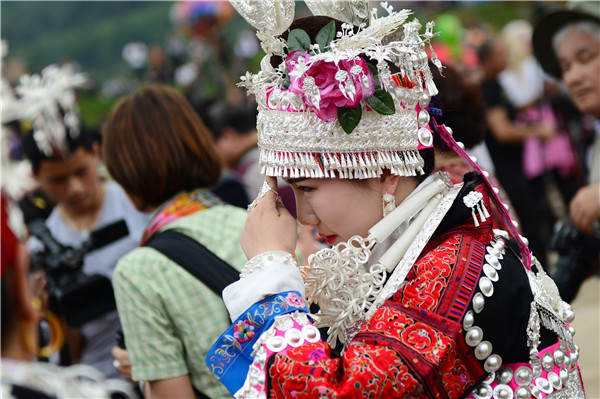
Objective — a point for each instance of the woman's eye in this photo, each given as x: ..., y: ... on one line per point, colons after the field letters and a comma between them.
x: 305, y: 189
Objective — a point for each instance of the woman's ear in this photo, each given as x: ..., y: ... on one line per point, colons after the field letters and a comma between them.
x: 389, y: 182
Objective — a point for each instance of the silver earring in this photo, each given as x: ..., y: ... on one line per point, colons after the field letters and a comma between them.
x: 389, y: 204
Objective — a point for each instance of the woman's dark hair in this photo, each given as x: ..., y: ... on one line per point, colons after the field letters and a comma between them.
x: 85, y: 139
x: 155, y: 145
x: 462, y: 106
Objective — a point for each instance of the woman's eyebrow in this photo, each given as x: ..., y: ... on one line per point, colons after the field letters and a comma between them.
x: 294, y: 180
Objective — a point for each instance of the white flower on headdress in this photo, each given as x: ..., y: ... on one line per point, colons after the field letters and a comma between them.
x: 43, y: 97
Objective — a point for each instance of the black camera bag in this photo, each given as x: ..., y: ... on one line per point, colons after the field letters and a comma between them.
x: 194, y: 257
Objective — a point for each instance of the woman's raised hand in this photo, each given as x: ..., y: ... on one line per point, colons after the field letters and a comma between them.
x: 269, y: 226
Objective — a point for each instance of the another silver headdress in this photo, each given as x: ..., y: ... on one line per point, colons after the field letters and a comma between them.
x: 334, y: 108
x: 47, y: 102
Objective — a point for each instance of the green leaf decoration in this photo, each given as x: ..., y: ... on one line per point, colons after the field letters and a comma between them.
x: 382, y: 102
x: 375, y: 73
x: 349, y: 118
x: 298, y: 40
x: 325, y: 36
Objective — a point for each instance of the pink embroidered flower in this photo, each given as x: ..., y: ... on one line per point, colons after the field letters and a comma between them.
x: 294, y: 300
x: 316, y: 354
x: 243, y: 331
x: 325, y: 86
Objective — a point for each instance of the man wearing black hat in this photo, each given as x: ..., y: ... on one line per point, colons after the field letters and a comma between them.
x: 567, y: 45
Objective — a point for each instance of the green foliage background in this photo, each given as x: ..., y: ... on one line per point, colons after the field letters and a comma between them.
x: 92, y: 33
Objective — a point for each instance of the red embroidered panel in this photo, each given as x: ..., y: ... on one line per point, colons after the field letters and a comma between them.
x: 433, y: 347
x: 364, y: 371
x: 430, y: 276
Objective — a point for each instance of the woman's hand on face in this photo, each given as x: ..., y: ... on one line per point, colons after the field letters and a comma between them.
x: 269, y: 226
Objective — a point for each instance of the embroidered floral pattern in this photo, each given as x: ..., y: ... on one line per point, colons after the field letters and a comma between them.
x: 294, y: 299
x: 432, y: 273
x: 316, y: 355
x: 372, y: 371
x: 243, y: 331
x: 239, y: 337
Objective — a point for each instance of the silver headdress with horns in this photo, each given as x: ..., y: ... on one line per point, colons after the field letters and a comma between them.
x: 334, y: 108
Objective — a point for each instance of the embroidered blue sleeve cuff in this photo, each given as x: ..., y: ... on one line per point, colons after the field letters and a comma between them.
x: 230, y: 357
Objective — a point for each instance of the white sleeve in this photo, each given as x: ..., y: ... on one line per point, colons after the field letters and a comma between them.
x: 270, y: 279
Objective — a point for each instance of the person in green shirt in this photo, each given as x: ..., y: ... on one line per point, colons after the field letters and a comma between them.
x: 157, y: 147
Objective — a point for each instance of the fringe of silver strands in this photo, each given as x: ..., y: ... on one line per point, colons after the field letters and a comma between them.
x: 344, y: 165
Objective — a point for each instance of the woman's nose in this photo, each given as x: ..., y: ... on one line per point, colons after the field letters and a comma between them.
x: 305, y: 213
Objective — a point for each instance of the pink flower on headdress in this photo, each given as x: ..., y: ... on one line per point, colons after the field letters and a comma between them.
x: 325, y: 86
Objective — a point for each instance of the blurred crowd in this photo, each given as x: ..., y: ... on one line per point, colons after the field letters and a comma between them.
x: 181, y: 116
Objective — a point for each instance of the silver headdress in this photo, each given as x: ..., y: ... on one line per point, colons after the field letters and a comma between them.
x: 334, y: 107
x: 46, y: 101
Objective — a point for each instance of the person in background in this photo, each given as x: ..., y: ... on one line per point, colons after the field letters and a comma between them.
x: 567, y: 45
x: 234, y: 132
x: 505, y: 144
x: 20, y: 375
x: 157, y: 147
x: 462, y: 108
x: 549, y: 166
x: 66, y: 169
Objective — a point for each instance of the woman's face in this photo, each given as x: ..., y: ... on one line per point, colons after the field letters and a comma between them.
x: 338, y: 208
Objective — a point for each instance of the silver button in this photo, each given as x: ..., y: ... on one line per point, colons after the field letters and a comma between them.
x: 564, y: 376
x: 559, y: 357
x: 468, y: 320
x: 486, y: 286
x: 522, y: 392
x: 492, y: 260
x: 504, y: 375
x: 483, y: 350
x: 543, y: 385
x: 478, y: 302
x: 535, y: 391
x: 482, y: 391
x: 492, y: 363
x: 276, y: 344
x: 294, y: 338
x: 474, y: 336
x: 311, y: 333
x: 494, y: 252
x: 503, y: 391
x: 423, y: 118
x: 554, y: 379
x: 523, y: 375
x: 547, y: 362
x: 490, y: 272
